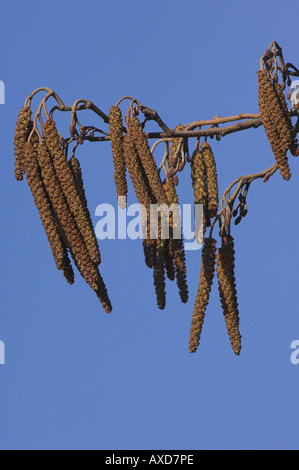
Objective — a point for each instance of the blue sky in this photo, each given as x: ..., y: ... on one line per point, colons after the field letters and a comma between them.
x: 76, y: 378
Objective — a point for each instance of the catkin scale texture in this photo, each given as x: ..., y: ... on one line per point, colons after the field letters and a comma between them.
x: 225, y: 259
x: 116, y: 135
x: 276, y: 126
x: 211, y: 179
x: 22, y: 132
x: 198, y: 176
x: 203, y: 293
x: 159, y: 275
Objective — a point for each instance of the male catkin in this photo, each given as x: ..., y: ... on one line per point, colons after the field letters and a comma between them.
x: 22, y: 131
x: 116, y: 136
x: 228, y: 294
x: 69, y: 189
x: 203, y: 293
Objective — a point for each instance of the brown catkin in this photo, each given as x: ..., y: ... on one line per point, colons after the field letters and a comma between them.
x: 67, y: 269
x: 136, y: 172
x: 228, y: 294
x: 203, y: 293
x: 211, y: 179
x: 143, y: 194
x: 274, y: 122
x: 68, y: 227
x: 198, y: 177
x: 168, y: 259
x: 22, y: 131
x: 102, y: 294
x: 41, y: 200
x: 116, y: 135
x: 69, y: 189
x: 159, y: 275
x: 289, y: 128
x: 147, y: 159
x: 176, y: 245
x: 75, y: 168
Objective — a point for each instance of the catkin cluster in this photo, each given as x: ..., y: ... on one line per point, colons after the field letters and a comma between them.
x: 22, y: 131
x: 225, y: 259
x: 203, y: 293
x: 116, y: 135
x: 153, y: 245
x: 277, y: 122
x: 68, y: 186
x: 42, y: 201
x: 58, y: 191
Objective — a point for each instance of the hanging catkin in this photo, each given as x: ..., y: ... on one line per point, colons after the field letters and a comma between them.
x: 69, y: 228
x: 290, y: 130
x: 159, y: 275
x: 198, y: 177
x: 147, y: 159
x: 143, y: 194
x: 116, y: 135
x: 203, y: 293
x: 228, y: 294
x: 22, y: 131
x: 75, y: 168
x: 176, y: 245
x: 69, y: 189
x: 274, y: 123
x: 211, y: 179
x: 168, y: 259
x: 41, y: 200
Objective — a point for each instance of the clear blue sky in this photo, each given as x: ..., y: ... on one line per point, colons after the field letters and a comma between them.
x: 76, y: 378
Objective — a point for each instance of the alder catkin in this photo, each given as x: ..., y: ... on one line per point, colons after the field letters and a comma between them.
x: 143, y: 194
x: 290, y: 130
x: 168, y: 259
x: 207, y: 269
x: 159, y: 275
x: 274, y: 122
x: 41, y: 200
x: 198, y: 176
x: 147, y: 159
x: 228, y: 294
x: 116, y: 135
x: 22, y: 131
x: 69, y: 189
x: 199, y: 183
x: 66, y: 221
x: 176, y: 245
x: 75, y: 168
x: 211, y: 179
